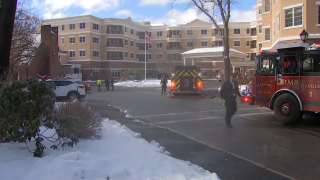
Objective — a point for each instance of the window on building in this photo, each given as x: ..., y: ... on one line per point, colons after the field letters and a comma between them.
x: 95, y: 40
x: 72, y: 40
x: 95, y: 53
x: 150, y: 46
x: 236, y: 31
x: 131, y: 43
x: 125, y: 29
x: 274, y: 29
x: 159, y: 56
x: 149, y: 73
x: 267, y: 6
x: 260, y: 9
x: 278, y: 22
x: 95, y: 26
x: 204, y: 73
x: 72, y: 54
x: 267, y: 34
x: 149, y: 56
x: 203, y: 32
x: 149, y: 34
x: 189, y: 44
x: 159, y: 45
x: 131, y: 31
x: 253, y: 56
x: 218, y: 43
x: 96, y: 73
x: 248, y: 55
x: 236, y: 43
x: 159, y: 33
x: 126, y: 42
x: 72, y: 26
x: 82, y: 25
x: 248, y: 43
x: 260, y: 28
x: 115, y: 73
x: 82, y: 53
x: 131, y: 55
x: 293, y: 16
x: 62, y: 27
x: 189, y: 32
x: 248, y: 31
x: 318, y: 14
x: 125, y: 54
x: 253, y: 44
x: 82, y: 39
x: 204, y: 43
x: 260, y: 46
x: 62, y: 40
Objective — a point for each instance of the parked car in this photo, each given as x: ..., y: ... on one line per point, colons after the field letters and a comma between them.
x: 86, y: 84
x: 68, y: 89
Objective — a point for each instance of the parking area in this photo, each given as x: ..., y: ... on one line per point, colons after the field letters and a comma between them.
x: 257, y: 137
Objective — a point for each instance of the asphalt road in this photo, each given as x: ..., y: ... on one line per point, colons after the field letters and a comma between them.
x: 258, y: 145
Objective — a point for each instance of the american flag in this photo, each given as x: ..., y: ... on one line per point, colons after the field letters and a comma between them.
x: 148, y: 37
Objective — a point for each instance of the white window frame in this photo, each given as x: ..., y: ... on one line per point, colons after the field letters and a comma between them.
x: 202, y: 73
x: 237, y: 41
x: 74, y: 39
x: 117, y: 72
x: 248, y: 55
x: 260, y: 25
x: 265, y: 7
x: 188, y: 33
x: 96, y: 51
x: 84, y: 52
x: 278, y: 16
x: 205, y: 31
x: 131, y: 43
x: 158, y: 44
x: 95, y: 26
x: 206, y: 42
x: 96, y: 38
x: 74, y: 53
x: 247, y: 43
x: 265, y: 40
x: 159, y: 33
x: 73, y: 27
x: 96, y: 71
x: 234, y: 31
x: 81, y: 37
x: 62, y: 41
x: 293, y: 17
x: 189, y: 46
x: 259, y: 10
x: 159, y: 54
x: 131, y: 55
x: 82, y: 27
x: 62, y: 27
x: 149, y: 73
x: 125, y: 42
x: 125, y: 54
x: 274, y: 29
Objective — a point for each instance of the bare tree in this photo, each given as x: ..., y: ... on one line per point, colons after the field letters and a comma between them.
x: 217, y: 11
x: 25, y: 40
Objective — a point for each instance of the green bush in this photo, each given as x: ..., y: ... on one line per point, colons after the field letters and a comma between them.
x: 74, y: 120
x: 24, y: 105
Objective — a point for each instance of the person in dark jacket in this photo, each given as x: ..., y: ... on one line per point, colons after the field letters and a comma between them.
x: 112, y: 81
x: 163, y: 84
x: 229, y: 92
x: 107, y: 84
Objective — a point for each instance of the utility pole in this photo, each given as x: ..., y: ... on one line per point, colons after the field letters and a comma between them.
x: 7, y: 15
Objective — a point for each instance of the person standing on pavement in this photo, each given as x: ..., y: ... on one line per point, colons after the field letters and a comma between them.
x: 99, y: 84
x: 112, y: 81
x: 107, y: 84
x: 163, y: 84
x: 229, y: 92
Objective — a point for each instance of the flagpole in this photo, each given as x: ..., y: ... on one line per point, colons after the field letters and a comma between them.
x: 145, y: 55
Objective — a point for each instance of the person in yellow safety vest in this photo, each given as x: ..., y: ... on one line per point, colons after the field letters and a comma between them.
x: 229, y: 92
x: 99, y: 84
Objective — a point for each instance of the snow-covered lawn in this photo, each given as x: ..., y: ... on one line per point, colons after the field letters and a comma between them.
x: 148, y: 83
x: 120, y: 155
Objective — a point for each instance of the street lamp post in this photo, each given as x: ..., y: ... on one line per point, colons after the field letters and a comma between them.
x: 304, y: 36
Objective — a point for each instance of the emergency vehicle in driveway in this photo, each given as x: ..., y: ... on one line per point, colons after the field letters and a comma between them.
x: 186, y: 80
x: 287, y: 81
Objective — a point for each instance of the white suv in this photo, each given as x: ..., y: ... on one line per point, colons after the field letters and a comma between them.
x: 68, y: 89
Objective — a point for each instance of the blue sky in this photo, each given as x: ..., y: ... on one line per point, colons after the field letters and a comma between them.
x: 157, y: 11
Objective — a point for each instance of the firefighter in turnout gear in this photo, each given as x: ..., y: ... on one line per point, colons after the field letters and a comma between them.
x: 229, y: 92
x: 163, y: 84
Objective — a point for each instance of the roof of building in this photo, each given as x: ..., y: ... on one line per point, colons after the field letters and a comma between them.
x: 210, y: 50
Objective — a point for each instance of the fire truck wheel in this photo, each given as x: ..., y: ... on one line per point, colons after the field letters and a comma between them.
x: 286, y: 109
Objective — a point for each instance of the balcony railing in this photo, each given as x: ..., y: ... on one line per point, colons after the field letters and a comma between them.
x: 114, y: 32
x: 253, y: 46
x: 173, y: 36
x: 216, y: 35
x: 115, y: 58
x: 173, y: 48
x: 115, y: 45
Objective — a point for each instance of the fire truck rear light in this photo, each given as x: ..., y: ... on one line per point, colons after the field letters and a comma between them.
x: 173, y: 85
x: 199, y: 85
x: 246, y: 99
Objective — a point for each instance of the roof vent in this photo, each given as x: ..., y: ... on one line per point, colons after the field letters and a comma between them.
x: 147, y: 23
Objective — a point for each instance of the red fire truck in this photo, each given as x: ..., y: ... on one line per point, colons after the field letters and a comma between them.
x: 287, y: 81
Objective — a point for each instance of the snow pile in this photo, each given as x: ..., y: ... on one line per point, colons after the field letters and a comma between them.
x: 147, y: 83
x: 119, y: 155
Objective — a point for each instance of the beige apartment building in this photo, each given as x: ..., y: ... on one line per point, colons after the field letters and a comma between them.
x: 102, y: 48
